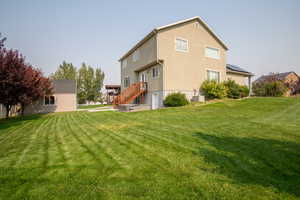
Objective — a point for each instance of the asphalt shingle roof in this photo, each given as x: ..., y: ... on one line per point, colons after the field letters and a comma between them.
x: 278, y: 76
x: 64, y: 86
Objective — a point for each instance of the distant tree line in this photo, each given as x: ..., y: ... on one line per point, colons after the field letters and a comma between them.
x: 89, y: 81
x: 20, y: 83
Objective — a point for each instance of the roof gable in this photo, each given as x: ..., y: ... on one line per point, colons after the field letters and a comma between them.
x: 197, y: 18
x: 156, y: 30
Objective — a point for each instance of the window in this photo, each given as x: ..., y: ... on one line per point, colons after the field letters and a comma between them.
x: 181, y: 45
x: 136, y: 55
x: 126, y: 81
x: 213, y: 76
x: 124, y: 63
x: 155, y: 72
x: 49, y: 100
x: 212, y: 53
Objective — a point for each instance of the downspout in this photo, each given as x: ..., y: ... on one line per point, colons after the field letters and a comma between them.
x: 250, y: 85
x: 162, y: 66
x: 158, y: 60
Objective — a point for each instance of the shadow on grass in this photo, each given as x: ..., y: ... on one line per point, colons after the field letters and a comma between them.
x: 257, y: 161
x: 15, y: 121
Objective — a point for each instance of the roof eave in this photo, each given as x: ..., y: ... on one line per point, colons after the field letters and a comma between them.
x: 149, y: 65
x: 147, y: 37
x: 241, y: 73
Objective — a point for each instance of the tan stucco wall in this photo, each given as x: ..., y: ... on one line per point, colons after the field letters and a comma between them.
x: 187, y: 70
x: 148, y: 53
x: 63, y: 102
x: 154, y: 84
x: 239, y: 79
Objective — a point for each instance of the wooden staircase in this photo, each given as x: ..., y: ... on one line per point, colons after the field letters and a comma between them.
x: 130, y: 93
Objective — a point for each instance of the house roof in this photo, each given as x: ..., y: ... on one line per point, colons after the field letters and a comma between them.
x: 142, y: 68
x: 277, y: 76
x: 235, y: 69
x: 64, y: 86
x: 157, y: 29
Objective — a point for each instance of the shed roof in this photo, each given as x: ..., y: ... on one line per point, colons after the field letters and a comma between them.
x: 64, y: 86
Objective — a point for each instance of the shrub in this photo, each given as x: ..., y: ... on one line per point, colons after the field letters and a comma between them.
x: 212, y: 90
x: 270, y: 88
x: 233, y: 89
x: 258, y: 89
x: 236, y: 91
x: 175, y: 100
x: 244, y: 91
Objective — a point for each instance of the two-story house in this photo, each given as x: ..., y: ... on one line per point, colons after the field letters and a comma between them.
x: 175, y: 58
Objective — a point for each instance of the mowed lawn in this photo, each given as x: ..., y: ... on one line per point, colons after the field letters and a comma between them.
x: 92, y: 106
x: 236, y: 149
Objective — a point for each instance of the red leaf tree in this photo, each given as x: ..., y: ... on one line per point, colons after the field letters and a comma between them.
x: 20, y: 84
x: 35, y: 86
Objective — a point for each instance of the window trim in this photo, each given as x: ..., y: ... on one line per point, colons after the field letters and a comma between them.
x: 209, y: 47
x: 126, y: 77
x: 158, y: 73
x: 213, y: 70
x: 55, y: 99
x: 187, y: 45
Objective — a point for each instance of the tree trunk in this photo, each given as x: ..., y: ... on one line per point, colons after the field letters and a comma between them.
x: 7, y: 107
x: 22, y: 109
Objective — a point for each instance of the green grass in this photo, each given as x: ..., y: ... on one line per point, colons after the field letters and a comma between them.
x: 239, y: 149
x: 91, y: 106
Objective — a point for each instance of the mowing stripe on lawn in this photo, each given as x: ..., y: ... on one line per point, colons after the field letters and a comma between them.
x: 143, y: 144
x: 137, y: 150
x: 26, y: 138
x: 105, y: 157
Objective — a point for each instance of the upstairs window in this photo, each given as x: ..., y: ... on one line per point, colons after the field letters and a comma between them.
x: 213, y: 76
x: 155, y: 72
x: 124, y: 63
x: 181, y: 45
x: 126, y: 81
x: 49, y: 100
x: 212, y: 53
x: 136, y: 55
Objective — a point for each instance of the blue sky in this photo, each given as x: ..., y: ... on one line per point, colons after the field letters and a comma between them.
x: 262, y: 35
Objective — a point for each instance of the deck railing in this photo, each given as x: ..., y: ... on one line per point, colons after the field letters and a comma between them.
x: 130, y: 93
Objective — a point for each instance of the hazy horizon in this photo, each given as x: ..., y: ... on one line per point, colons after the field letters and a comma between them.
x: 262, y: 36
